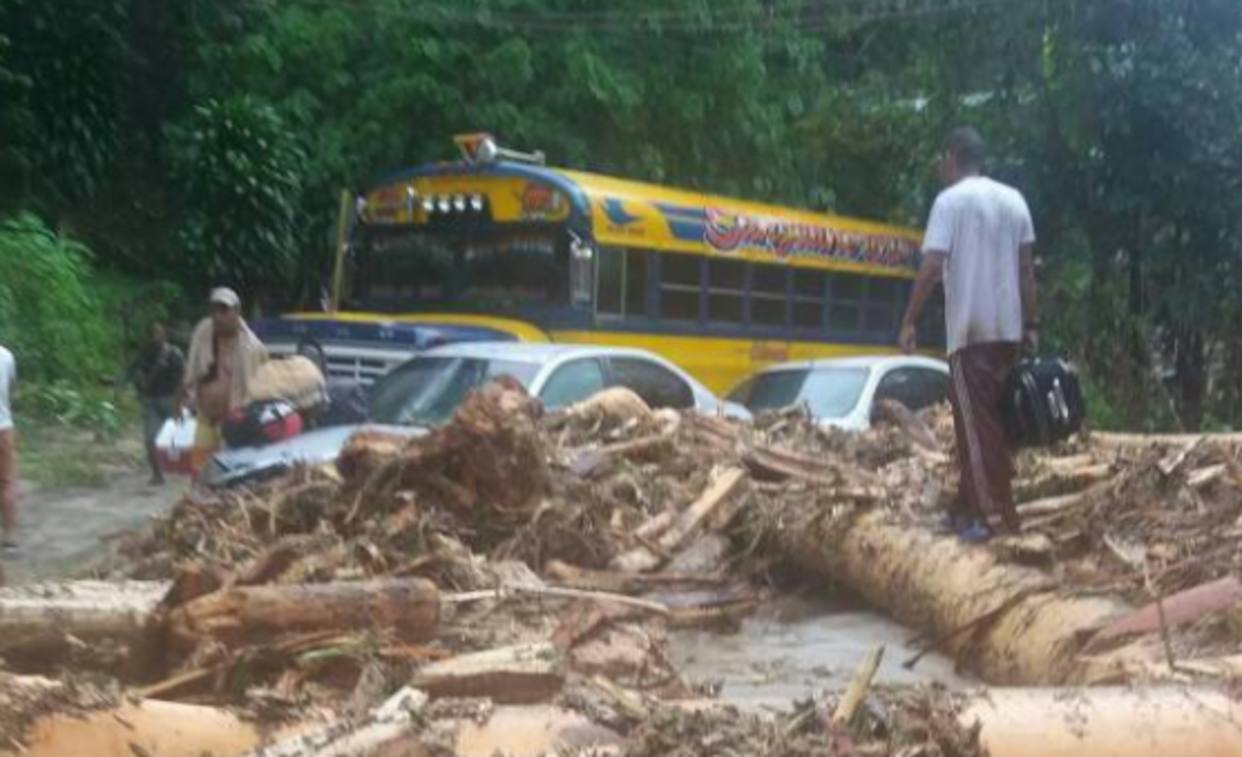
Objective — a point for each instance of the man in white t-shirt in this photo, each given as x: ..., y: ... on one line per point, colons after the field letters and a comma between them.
x: 8, y: 452
x: 979, y: 242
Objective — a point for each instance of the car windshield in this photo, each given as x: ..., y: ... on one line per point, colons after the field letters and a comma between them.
x: 833, y: 392
x: 426, y: 390
x: 828, y: 392
x: 770, y: 391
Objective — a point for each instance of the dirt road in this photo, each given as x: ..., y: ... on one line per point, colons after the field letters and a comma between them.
x: 63, y: 529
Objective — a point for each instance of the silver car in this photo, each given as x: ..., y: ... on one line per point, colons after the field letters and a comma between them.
x: 425, y: 390
x: 842, y: 392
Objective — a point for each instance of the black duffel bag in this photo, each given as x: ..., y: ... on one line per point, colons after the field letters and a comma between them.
x: 1043, y: 402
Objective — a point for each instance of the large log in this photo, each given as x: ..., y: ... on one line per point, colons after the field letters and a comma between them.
x: 1149, y: 721
x: 1007, y: 622
x: 42, y: 615
x: 245, y: 614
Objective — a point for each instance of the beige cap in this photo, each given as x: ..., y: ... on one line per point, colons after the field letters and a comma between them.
x: 225, y: 296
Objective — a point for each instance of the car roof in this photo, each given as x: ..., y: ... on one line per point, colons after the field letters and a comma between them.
x: 868, y: 362
x: 531, y: 352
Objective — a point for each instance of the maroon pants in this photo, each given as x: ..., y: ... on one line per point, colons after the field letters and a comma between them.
x: 8, y: 481
x: 978, y: 380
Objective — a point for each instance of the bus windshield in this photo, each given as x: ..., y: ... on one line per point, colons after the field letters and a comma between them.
x: 497, y: 270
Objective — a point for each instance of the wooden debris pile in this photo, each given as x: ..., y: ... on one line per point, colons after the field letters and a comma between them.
x: 513, y: 557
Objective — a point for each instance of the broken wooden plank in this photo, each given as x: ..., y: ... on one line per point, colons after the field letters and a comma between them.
x: 630, y: 702
x: 391, y: 721
x: 575, y: 577
x: 856, y: 693
x: 1117, y: 439
x: 1179, y: 609
x: 559, y: 592
x: 519, y: 674
x: 245, y: 614
x: 1169, y: 465
x: 1206, y: 475
x: 655, y: 526
x: 725, y: 486
x: 908, y: 421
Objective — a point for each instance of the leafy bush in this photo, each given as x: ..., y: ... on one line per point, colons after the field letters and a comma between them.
x: 50, y: 317
x: 239, y: 173
x: 68, y: 405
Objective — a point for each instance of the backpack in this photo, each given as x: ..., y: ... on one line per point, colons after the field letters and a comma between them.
x: 261, y: 423
x: 1042, y: 403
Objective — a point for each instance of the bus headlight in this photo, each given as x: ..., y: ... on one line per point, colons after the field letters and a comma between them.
x: 443, y: 204
x: 459, y: 203
x: 429, y: 204
x: 476, y: 203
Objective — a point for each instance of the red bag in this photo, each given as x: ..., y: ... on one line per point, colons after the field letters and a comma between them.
x: 261, y: 423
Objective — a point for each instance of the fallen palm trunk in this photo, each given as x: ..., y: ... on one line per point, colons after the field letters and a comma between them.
x: 1007, y: 622
x: 1136, y: 722
x: 242, y: 614
x: 46, y: 614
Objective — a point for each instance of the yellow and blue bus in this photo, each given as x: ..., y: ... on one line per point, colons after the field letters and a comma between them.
x: 496, y: 248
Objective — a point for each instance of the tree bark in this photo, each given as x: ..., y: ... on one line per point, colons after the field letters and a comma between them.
x: 43, y: 615
x: 253, y: 614
x: 1010, y: 622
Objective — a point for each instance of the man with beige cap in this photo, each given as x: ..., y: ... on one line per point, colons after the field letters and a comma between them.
x: 224, y: 357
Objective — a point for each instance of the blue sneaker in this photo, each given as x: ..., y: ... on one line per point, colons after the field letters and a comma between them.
x: 952, y: 523
x: 975, y: 533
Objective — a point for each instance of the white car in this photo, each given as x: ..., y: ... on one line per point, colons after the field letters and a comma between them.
x: 841, y: 392
x: 425, y: 390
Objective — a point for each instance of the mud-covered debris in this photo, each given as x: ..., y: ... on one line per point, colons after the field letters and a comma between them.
x: 25, y: 699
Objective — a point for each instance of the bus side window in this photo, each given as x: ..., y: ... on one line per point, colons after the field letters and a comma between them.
x: 621, y: 287
x: 809, y: 290
x: 636, y: 282
x: 680, y: 286
x: 883, y: 295
x: 769, y: 295
x: 726, y: 290
x: 845, y: 291
x: 610, y: 284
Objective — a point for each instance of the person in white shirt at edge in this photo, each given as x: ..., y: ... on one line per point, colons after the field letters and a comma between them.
x: 979, y: 242
x: 8, y: 452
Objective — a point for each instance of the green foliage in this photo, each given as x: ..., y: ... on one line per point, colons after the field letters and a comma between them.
x: 1117, y: 118
x: 240, y: 178
x: 70, y: 57
x: 69, y: 405
x: 49, y: 316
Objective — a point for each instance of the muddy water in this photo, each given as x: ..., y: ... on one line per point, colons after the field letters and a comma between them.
x: 791, y: 647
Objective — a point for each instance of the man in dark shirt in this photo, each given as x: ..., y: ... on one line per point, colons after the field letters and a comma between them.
x: 156, y: 374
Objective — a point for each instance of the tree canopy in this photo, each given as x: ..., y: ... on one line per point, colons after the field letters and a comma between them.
x: 204, y: 140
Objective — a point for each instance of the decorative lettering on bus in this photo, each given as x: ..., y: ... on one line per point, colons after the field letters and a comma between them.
x: 730, y: 232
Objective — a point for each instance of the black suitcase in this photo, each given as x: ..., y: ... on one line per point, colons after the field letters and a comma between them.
x: 1043, y: 402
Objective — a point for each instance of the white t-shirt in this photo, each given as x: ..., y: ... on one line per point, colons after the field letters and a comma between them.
x: 8, y: 372
x: 980, y: 223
